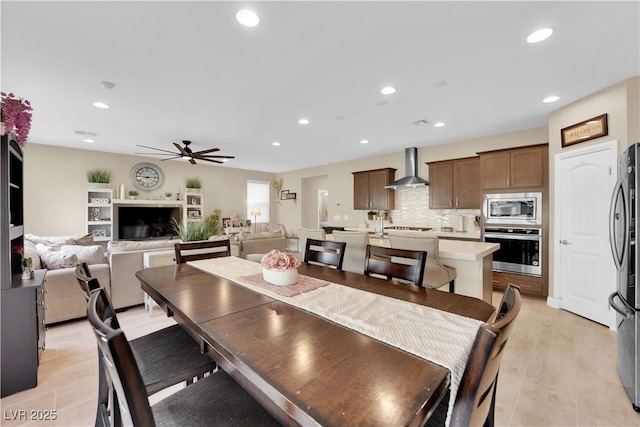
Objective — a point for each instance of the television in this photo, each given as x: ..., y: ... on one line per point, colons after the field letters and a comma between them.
x: 144, y: 223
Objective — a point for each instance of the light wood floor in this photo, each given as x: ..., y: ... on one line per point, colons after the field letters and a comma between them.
x: 558, y: 370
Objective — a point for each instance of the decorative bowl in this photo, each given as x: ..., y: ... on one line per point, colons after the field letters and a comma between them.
x: 280, y: 278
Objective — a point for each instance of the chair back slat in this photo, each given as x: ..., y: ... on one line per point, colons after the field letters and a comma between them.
x: 325, y: 252
x: 119, y: 366
x: 396, y: 263
x: 194, y: 251
x: 476, y: 395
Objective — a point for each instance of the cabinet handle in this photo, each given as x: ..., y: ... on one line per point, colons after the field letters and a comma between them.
x: 507, y: 181
x: 457, y: 204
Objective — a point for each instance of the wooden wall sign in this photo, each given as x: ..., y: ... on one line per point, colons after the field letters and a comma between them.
x: 584, y: 131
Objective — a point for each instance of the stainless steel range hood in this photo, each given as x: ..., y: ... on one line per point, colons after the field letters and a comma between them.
x: 411, y: 171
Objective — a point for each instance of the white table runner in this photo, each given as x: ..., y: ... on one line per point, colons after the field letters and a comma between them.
x: 438, y: 336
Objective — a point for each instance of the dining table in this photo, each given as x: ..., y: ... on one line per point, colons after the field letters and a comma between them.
x: 327, y: 355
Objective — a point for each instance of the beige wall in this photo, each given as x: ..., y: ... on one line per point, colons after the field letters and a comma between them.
x: 340, y: 179
x: 621, y: 103
x: 55, y: 185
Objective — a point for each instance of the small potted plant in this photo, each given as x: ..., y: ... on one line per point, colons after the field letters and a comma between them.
x: 370, y: 215
x: 193, y: 184
x: 100, y: 178
x: 133, y: 194
x: 168, y: 195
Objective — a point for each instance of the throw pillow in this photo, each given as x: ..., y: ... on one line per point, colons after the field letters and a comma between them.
x: 50, y: 240
x: 89, y: 254
x: 55, y: 260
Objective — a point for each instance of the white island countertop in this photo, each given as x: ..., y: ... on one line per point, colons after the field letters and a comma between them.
x: 452, y: 249
x: 462, y: 235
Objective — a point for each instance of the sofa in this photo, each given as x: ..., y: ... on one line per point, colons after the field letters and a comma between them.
x: 114, y: 268
x: 260, y: 243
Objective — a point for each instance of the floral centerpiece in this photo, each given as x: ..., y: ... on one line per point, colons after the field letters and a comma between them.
x: 26, y: 262
x: 280, y: 268
x: 16, y: 117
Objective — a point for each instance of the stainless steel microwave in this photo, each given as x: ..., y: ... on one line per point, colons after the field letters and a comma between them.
x: 512, y: 208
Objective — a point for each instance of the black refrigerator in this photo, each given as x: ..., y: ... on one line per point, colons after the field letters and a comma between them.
x: 626, y: 301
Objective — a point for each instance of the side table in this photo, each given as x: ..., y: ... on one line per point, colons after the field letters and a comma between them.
x: 156, y: 259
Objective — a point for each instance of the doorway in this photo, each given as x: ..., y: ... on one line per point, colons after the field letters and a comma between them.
x: 323, y: 208
x: 584, y: 273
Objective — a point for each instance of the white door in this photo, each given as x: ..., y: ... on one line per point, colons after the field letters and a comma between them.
x: 585, y: 273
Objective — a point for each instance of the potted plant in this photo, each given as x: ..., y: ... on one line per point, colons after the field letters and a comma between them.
x: 168, y: 195
x: 133, y: 194
x: 99, y: 177
x: 194, y: 231
x: 370, y: 215
x: 193, y: 184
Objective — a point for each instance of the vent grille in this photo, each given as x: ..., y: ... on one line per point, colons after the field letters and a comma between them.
x: 420, y: 122
x: 86, y: 133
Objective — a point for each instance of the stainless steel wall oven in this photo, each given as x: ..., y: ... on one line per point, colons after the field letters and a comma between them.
x: 520, y: 249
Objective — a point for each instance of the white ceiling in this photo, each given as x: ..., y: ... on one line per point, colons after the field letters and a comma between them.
x: 188, y: 70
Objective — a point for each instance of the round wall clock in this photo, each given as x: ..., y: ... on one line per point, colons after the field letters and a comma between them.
x: 147, y: 176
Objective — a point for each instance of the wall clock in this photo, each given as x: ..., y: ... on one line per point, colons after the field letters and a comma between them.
x: 147, y: 176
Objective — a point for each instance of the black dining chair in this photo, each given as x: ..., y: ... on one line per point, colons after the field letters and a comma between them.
x: 325, y: 252
x: 166, y: 357
x: 194, y: 251
x: 214, y: 400
x: 475, y: 401
x: 394, y: 263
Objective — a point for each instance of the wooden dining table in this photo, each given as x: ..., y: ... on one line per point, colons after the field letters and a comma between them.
x: 305, y: 369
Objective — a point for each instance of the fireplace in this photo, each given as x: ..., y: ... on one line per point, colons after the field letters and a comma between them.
x: 145, y: 222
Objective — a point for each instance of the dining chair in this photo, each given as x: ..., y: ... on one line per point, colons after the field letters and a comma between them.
x: 214, y: 400
x: 309, y: 233
x: 194, y: 251
x: 166, y: 357
x: 436, y: 274
x: 325, y: 252
x: 475, y: 401
x: 356, y: 250
x: 395, y: 263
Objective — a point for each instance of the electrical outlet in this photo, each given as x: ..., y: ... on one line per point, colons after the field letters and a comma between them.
x: 346, y: 217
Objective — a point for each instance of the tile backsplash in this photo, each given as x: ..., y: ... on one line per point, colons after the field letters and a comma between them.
x: 412, y: 210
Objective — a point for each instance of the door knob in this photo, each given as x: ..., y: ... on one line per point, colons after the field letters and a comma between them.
x: 564, y: 242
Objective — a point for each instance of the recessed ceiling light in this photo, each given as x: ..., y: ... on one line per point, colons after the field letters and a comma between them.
x: 439, y: 124
x: 548, y: 99
x: 88, y: 140
x: 100, y: 105
x: 248, y: 18
x: 538, y: 36
x: 303, y: 121
x: 388, y: 90
x: 275, y: 144
x: 224, y: 160
x: 364, y: 141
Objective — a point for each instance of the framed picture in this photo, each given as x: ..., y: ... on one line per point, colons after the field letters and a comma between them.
x: 291, y: 196
x: 226, y: 222
x: 194, y: 214
x: 99, y: 233
x: 584, y: 131
x: 284, y: 194
x: 247, y: 222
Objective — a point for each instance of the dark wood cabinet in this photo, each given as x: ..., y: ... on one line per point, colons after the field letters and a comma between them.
x: 455, y: 184
x: 529, y: 285
x: 369, y: 191
x: 22, y: 331
x: 514, y: 168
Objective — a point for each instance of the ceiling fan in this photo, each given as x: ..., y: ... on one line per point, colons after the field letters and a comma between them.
x: 186, y: 153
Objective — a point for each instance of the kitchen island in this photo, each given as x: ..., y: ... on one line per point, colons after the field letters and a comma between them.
x: 472, y: 261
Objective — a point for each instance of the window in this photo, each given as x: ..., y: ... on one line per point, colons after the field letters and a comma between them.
x: 258, y: 197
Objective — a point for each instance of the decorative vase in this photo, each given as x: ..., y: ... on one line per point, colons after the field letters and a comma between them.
x: 280, y: 278
x: 27, y: 273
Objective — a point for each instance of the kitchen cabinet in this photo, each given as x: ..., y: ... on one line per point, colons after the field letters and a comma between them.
x: 369, y: 191
x: 514, y: 168
x: 529, y: 285
x: 455, y: 184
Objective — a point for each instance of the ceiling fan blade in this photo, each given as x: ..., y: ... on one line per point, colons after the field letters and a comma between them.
x: 215, y: 157
x: 180, y: 149
x: 171, y: 158
x: 209, y: 160
x: 210, y: 150
x: 193, y: 162
x: 154, y: 148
